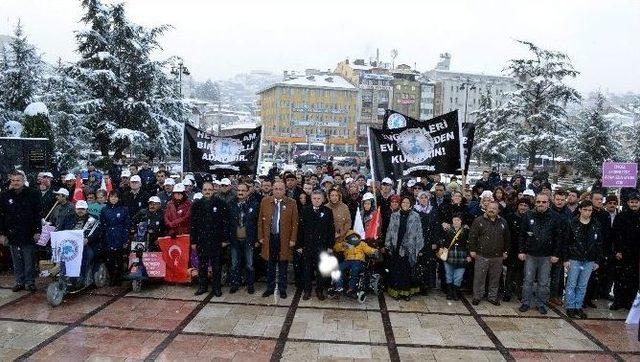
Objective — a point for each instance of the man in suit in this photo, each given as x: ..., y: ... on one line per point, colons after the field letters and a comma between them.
x: 277, y: 234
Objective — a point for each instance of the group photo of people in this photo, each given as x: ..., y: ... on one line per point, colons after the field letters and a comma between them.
x: 503, y: 238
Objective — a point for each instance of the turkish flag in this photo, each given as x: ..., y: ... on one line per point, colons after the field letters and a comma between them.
x: 106, y: 184
x: 78, y: 192
x: 175, y: 252
x: 374, y: 226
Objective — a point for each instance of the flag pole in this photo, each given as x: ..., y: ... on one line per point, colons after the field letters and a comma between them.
x: 373, y: 173
x: 184, y: 126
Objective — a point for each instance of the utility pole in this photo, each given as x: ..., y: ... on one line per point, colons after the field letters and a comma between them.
x: 179, y: 71
x: 467, y: 86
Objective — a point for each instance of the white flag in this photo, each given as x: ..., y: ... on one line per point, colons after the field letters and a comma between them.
x: 358, y: 226
x: 67, y: 247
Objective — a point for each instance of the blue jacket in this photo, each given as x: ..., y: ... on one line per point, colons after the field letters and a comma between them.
x: 250, y: 210
x: 115, y: 223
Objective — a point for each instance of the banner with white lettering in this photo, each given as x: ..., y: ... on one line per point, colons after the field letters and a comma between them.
x: 433, y: 147
x: 67, y: 247
x: 204, y: 152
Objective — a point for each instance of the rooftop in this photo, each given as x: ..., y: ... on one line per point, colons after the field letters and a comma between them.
x: 330, y: 81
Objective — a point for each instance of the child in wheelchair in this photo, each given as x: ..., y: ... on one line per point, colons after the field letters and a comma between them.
x: 354, y: 266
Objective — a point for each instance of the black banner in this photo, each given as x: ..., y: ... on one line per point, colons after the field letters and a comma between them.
x: 429, y: 148
x: 204, y: 152
x: 395, y: 120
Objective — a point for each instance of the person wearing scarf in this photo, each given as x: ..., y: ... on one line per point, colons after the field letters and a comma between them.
x: 403, y: 242
x: 341, y: 214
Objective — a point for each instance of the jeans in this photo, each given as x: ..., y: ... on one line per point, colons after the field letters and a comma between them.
x: 241, y: 251
x: 540, y: 267
x: 453, y: 275
x: 274, y: 260
x: 353, y: 267
x: 577, y: 279
x: 484, y: 266
x: 24, y: 267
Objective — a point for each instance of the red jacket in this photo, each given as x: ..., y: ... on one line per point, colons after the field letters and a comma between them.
x: 177, y: 218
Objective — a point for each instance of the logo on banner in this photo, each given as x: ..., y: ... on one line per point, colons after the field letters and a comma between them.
x: 226, y: 150
x: 416, y: 146
x: 396, y: 120
x: 68, y: 250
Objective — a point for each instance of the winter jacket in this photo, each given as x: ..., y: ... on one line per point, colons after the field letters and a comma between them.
x: 135, y: 202
x: 248, y: 213
x: 95, y: 208
x: 47, y: 200
x: 446, y: 214
x: 177, y: 217
x: 227, y: 197
x: 489, y: 238
x: 147, y: 176
x: 115, y: 226
x: 541, y: 233
x: 91, y: 228
x: 164, y: 198
x: 209, y: 223
x: 583, y: 242
x: 431, y: 229
x: 341, y: 219
x: 288, y: 226
x: 318, y: 231
x: 63, y: 217
x: 357, y: 252
x: 457, y: 255
x: 626, y: 230
x: 155, y: 227
x: 20, y: 216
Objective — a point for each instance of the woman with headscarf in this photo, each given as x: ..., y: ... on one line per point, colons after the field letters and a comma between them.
x: 431, y: 231
x: 403, y: 242
x: 341, y: 214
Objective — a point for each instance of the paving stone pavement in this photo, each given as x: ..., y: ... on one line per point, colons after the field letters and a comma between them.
x: 169, y: 323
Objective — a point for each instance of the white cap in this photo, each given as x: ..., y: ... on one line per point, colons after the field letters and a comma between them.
x: 348, y: 180
x: 45, y: 174
x: 169, y: 181
x: 155, y: 199
x: 368, y: 196
x: 225, y: 181
x: 529, y: 192
x: 387, y: 181
x: 81, y: 204
x: 327, y: 179
x: 135, y: 178
x: 176, y: 176
x: 486, y: 194
x: 62, y: 191
x: 69, y: 177
x: 125, y: 173
x: 187, y: 182
x: 197, y: 196
x: 189, y: 177
x: 179, y: 187
x: 411, y: 183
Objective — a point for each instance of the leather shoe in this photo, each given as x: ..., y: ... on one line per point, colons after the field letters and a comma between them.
x: 320, y: 295
x: 250, y: 289
x: 217, y: 293
x: 590, y: 304
x: 524, y: 308
x: 233, y: 290
x: 306, y: 295
x: 18, y: 288
x: 267, y: 293
x: 283, y: 295
x: 475, y: 301
x: 542, y: 309
x: 494, y: 302
x: 200, y: 291
x: 580, y: 313
x: 571, y: 313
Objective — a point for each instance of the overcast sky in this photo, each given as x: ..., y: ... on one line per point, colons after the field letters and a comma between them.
x: 218, y: 39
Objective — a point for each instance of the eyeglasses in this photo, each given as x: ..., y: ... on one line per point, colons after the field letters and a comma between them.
x: 541, y: 202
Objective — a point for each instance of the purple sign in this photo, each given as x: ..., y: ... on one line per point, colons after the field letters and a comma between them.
x: 619, y: 174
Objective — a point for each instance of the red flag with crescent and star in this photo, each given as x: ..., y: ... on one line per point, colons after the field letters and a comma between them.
x: 175, y: 252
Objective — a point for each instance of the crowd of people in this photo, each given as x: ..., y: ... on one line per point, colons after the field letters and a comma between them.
x: 501, y: 238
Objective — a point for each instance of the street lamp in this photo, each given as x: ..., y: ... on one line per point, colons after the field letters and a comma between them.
x: 179, y: 71
x: 466, y: 86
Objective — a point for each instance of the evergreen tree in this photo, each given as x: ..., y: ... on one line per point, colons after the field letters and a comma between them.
x: 596, y: 139
x: 36, y: 122
x: 208, y: 91
x: 20, y: 70
x: 535, y: 111
x: 491, y: 141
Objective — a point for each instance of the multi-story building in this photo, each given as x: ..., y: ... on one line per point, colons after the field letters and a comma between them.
x: 406, y: 91
x: 374, y: 82
x: 427, y: 94
x: 462, y: 91
x: 321, y: 108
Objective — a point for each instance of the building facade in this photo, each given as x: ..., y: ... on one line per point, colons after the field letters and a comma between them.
x: 427, y: 95
x: 406, y: 91
x: 319, y: 109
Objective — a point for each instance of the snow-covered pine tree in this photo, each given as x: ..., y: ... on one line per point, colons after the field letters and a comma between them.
x: 536, y: 109
x: 492, y: 141
x: 595, y: 139
x: 36, y: 122
x: 20, y: 71
x: 63, y: 95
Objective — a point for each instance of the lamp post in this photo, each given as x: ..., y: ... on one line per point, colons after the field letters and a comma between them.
x: 179, y: 71
x: 466, y: 86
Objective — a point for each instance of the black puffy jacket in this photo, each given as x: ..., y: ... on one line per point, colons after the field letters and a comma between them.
x: 583, y: 242
x: 20, y: 215
x: 541, y: 233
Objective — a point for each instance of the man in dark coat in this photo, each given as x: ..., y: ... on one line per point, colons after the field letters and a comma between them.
x: 243, y: 236
x: 515, y: 266
x: 317, y: 234
x: 136, y: 198
x: 20, y: 226
x: 559, y: 206
x: 626, y: 229
x: 150, y: 221
x: 209, y: 229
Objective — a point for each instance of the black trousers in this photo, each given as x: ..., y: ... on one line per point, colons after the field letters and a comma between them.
x: 310, y: 273
x: 210, y: 256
